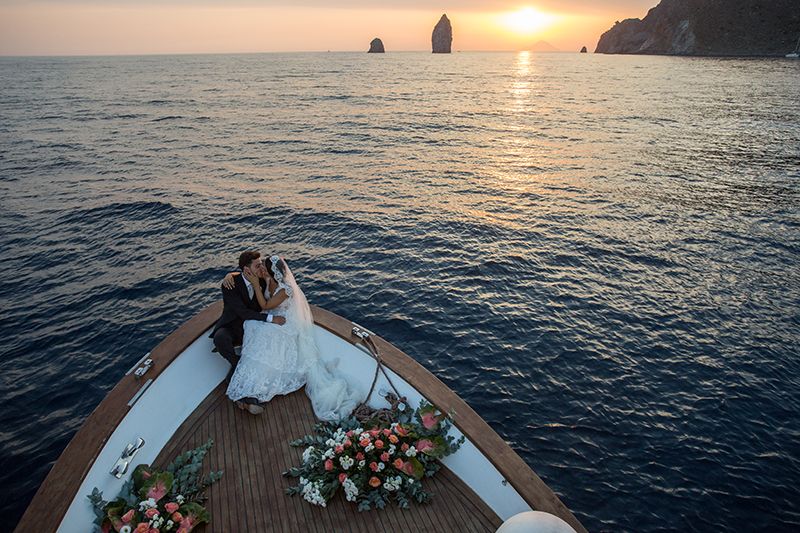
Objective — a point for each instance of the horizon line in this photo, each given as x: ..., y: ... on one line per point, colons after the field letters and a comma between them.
x: 145, y: 54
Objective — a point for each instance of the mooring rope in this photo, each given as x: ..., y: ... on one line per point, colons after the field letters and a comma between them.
x: 363, y: 411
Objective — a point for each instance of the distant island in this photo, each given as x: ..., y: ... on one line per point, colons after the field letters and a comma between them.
x: 708, y: 28
x: 542, y: 46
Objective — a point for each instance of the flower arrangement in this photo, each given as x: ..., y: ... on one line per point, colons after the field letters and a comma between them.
x: 374, y: 461
x: 153, y: 501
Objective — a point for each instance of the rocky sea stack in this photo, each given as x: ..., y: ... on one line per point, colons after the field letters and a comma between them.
x: 583, y: 50
x: 376, y: 47
x: 442, y: 37
x: 708, y: 27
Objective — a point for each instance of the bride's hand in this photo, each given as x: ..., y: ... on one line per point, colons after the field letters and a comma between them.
x: 227, y: 281
x: 253, y: 279
x: 278, y: 320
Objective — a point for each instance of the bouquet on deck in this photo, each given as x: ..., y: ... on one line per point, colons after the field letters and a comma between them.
x: 375, y: 461
x: 154, y: 501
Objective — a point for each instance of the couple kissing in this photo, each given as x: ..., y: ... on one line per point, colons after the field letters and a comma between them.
x: 266, y: 312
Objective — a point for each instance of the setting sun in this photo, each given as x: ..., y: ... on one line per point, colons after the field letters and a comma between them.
x: 526, y: 21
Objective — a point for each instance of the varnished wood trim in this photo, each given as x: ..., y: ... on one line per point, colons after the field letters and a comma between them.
x: 51, y: 501
x: 54, y: 496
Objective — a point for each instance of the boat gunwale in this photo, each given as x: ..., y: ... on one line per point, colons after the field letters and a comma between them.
x: 54, y: 496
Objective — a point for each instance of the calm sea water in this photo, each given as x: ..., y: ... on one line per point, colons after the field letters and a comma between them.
x: 599, y: 254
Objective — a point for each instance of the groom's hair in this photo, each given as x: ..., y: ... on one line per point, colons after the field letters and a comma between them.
x: 247, y: 257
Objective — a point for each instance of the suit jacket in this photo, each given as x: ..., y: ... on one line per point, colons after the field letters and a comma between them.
x: 238, y: 307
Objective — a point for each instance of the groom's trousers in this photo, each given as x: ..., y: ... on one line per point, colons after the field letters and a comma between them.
x: 225, y: 339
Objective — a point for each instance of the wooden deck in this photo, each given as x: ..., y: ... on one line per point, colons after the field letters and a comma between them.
x: 253, y: 451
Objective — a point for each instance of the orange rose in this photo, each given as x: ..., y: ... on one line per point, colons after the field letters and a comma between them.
x: 398, y: 463
x: 379, y: 444
x: 393, y: 439
x: 374, y: 482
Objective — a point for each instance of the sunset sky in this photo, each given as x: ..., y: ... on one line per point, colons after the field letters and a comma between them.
x: 67, y: 27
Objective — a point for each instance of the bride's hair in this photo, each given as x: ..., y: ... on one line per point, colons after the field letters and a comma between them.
x: 281, y: 266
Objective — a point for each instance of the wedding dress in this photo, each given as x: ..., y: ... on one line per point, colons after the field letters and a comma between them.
x: 279, y: 359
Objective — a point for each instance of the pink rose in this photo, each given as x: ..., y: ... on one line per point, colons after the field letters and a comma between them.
x: 127, y: 517
x: 373, y: 466
x: 339, y: 449
x: 408, y: 468
x: 379, y: 444
x: 423, y: 445
x: 404, y: 447
x: 398, y: 463
x: 364, y: 443
x: 329, y: 465
x: 142, y: 527
x: 386, y: 432
x: 374, y: 482
x: 374, y: 432
x: 342, y: 477
x: 347, y: 443
x: 154, y: 530
x: 429, y: 421
x: 150, y: 513
x: 360, y: 456
x: 385, y: 457
x: 171, y: 507
x: 349, y: 433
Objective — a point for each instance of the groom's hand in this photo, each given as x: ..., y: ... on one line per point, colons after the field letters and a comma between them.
x: 278, y: 320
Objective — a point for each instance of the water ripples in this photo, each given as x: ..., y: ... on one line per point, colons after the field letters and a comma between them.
x: 597, y: 253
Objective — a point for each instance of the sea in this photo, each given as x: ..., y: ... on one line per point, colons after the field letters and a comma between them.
x: 600, y: 254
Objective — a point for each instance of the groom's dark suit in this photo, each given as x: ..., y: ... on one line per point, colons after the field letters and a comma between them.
x: 238, y: 307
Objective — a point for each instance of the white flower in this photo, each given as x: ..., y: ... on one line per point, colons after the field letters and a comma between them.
x: 361, y: 463
x: 369, y: 448
x: 392, y: 449
x: 147, y: 504
x: 125, y: 529
x: 381, y: 466
x: 411, y: 452
x: 179, y: 499
x: 307, y: 454
x: 170, y: 523
x: 401, y: 406
x: 364, y: 436
x: 350, y: 490
x: 346, y: 462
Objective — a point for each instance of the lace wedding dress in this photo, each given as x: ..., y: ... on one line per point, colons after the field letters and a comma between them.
x: 279, y: 359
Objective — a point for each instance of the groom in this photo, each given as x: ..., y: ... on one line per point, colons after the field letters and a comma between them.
x: 240, y: 304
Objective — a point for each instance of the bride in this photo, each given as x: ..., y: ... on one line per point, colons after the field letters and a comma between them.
x: 279, y: 359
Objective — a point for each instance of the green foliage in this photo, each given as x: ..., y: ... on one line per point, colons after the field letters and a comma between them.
x: 182, y: 477
x: 397, y: 435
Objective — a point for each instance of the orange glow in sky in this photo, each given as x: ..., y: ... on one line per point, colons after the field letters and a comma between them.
x: 86, y: 27
x: 526, y: 21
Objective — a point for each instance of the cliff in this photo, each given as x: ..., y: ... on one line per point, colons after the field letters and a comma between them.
x: 442, y: 36
x: 708, y: 27
x: 376, y: 47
